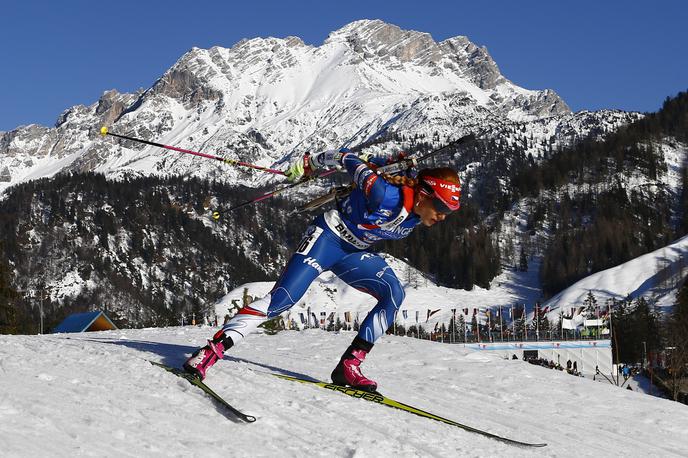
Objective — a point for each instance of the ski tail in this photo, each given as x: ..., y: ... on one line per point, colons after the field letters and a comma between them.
x: 194, y: 380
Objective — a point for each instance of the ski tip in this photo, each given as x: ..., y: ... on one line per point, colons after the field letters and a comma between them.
x: 103, y: 131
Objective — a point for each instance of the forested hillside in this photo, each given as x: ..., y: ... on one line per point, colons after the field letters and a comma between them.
x: 147, y: 249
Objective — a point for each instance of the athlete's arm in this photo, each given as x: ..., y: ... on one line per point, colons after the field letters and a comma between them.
x: 365, y: 178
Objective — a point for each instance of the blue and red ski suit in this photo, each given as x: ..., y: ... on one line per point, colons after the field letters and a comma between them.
x: 338, y: 241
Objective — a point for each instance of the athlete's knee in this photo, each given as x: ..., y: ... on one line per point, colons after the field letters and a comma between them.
x: 247, y: 319
x: 280, y: 301
x: 401, y: 294
x: 257, y: 309
x: 397, y: 293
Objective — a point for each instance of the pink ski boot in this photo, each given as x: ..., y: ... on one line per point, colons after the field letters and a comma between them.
x: 204, y: 358
x: 348, y: 371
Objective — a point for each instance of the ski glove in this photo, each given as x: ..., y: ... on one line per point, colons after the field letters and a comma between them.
x: 300, y: 167
x: 311, y: 163
x: 328, y: 159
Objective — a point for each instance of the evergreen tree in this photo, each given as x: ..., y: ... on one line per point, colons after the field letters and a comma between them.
x: 475, y: 330
x: 519, y: 322
x: 523, y: 261
x: 273, y: 325
x: 635, y: 330
x: 544, y: 326
x: 461, y: 329
x: 590, y: 305
x: 8, y: 300
x: 677, y: 341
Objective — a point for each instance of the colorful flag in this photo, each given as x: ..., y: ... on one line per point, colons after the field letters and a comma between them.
x: 431, y: 313
x: 567, y: 324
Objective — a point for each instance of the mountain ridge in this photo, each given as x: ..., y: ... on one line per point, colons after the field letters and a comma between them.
x: 265, y: 98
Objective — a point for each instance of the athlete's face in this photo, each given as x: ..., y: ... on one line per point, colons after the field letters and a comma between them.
x: 425, y: 209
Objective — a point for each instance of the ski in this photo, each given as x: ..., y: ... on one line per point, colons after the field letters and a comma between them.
x: 192, y: 379
x: 384, y: 400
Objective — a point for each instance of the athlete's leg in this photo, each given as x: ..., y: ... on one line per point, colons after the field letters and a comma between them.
x: 318, y: 251
x: 370, y: 273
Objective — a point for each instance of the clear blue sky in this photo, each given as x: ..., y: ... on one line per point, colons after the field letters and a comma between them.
x: 595, y: 54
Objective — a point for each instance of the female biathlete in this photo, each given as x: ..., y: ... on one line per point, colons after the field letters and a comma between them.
x: 379, y: 207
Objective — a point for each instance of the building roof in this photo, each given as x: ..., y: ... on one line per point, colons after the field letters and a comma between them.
x: 85, y: 322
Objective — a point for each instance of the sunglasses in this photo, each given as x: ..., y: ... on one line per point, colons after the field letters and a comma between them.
x: 437, y: 203
x: 440, y: 206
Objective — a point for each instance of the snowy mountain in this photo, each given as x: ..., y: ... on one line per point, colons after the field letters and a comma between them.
x: 656, y: 276
x: 264, y: 99
x: 139, y: 239
x: 96, y: 394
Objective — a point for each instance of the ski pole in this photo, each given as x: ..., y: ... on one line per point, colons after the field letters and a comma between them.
x: 411, y: 162
x: 394, y: 167
x: 390, y: 168
x: 104, y: 131
x: 216, y: 214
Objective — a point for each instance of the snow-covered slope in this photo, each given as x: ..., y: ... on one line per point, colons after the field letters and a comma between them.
x: 96, y: 395
x: 657, y: 276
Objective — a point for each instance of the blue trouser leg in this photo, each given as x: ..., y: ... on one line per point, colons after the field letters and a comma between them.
x: 370, y: 273
x: 318, y: 251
